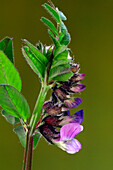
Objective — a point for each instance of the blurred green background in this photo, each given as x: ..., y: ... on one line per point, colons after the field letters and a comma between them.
x: 90, y: 23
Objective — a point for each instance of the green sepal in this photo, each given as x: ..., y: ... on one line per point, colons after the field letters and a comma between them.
x: 8, y: 73
x: 55, y: 41
x: 19, y: 130
x: 11, y: 119
x: 34, y: 63
x: 36, y: 138
x: 52, y: 12
x: 50, y: 25
x: 13, y: 102
x: 6, y: 45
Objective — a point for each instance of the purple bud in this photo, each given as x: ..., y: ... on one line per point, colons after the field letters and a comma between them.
x: 77, y: 77
x: 72, y: 102
x: 75, y: 68
x: 77, y: 88
x: 49, y: 132
x: 52, y: 120
x: 62, y: 94
x: 47, y: 104
x: 54, y: 110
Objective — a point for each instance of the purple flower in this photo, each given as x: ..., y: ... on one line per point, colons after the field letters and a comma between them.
x: 67, y: 141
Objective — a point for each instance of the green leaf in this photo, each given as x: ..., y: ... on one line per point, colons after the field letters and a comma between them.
x: 62, y: 69
x: 6, y: 45
x: 66, y: 39
x: 63, y: 77
x: 13, y: 102
x: 50, y: 25
x: 55, y: 41
x: 63, y: 28
x: 60, y: 62
x: 59, y: 50
x: 62, y: 16
x: 40, y: 47
x: 11, y: 119
x: 61, y: 56
x: 19, y: 130
x: 36, y: 139
x: 8, y: 73
x: 37, y: 53
x: 53, y: 12
x: 49, y: 51
x: 34, y: 63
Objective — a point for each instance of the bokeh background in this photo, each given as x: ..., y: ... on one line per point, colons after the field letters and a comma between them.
x: 90, y: 23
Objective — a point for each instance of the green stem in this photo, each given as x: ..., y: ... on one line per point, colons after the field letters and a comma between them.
x: 38, y: 107
x: 25, y: 151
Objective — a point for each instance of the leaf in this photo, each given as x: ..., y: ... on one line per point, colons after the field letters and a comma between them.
x: 55, y: 41
x: 36, y: 139
x: 62, y: 16
x: 11, y: 119
x: 52, y: 12
x: 19, y: 130
x: 49, y: 51
x: 6, y: 45
x: 60, y: 62
x: 50, y: 25
x: 38, y: 55
x: 66, y: 39
x: 13, y: 102
x: 61, y: 56
x: 34, y: 63
x: 62, y: 69
x: 59, y: 50
x: 63, y: 77
x: 8, y: 73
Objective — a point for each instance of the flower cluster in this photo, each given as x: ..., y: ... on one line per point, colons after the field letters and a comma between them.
x: 59, y: 127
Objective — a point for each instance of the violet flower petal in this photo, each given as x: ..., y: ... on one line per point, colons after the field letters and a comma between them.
x: 73, y: 102
x: 78, y: 117
x: 78, y: 88
x: 69, y: 131
x: 73, y: 146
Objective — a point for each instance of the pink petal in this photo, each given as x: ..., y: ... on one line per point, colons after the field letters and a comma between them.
x: 69, y: 131
x: 73, y: 146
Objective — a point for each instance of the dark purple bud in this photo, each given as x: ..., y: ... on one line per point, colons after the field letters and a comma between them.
x: 54, y: 110
x: 77, y: 88
x: 75, y: 68
x: 52, y: 120
x: 77, y: 77
x: 72, y: 102
x: 47, y: 104
x: 49, y: 132
x: 62, y: 94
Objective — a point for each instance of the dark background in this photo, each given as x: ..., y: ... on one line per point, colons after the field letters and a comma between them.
x: 90, y: 23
